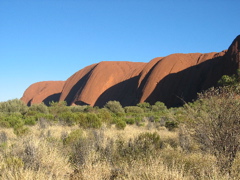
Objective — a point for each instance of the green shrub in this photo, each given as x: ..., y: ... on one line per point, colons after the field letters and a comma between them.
x: 15, y: 120
x: 105, y: 116
x: 87, y: 146
x: 171, y: 125
x: 68, y: 118
x: 78, y: 108
x: 31, y: 113
x: 148, y: 142
x: 145, y: 106
x: 214, y: 123
x: 48, y: 117
x: 120, y: 124
x: 73, y: 137
x: 4, y: 122
x: 139, y: 121
x: 13, y: 162
x: 143, y: 146
x: 30, y: 120
x: 81, y: 117
x: 114, y: 106
x: 58, y: 107
x: 129, y: 120
x: 133, y: 109
x: 158, y: 106
x: 91, y: 109
x: 230, y: 80
x: 13, y: 106
x: 154, y: 118
x: 90, y: 121
x: 20, y: 130
x: 40, y: 108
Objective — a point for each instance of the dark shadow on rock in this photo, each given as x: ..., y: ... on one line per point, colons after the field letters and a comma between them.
x: 81, y: 103
x: 139, y: 91
x: 29, y: 103
x: 124, y: 92
x: 77, y: 88
x: 51, y: 98
x: 177, y: 88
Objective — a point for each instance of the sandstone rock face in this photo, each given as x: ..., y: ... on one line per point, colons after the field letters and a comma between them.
x: 45, y: 91
x: 178, y: 77
x: 232, y: 59
x: 174, y: 80
x: 98, y: 83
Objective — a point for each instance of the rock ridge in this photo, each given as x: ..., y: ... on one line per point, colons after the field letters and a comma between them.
x: 174, y: 80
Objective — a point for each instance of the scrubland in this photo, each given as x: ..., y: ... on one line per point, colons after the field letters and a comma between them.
x: 197, y: 141
x: 63, y: 152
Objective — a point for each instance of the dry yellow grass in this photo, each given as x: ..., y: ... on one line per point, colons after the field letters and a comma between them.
x: 32, y: 157
x: 132, y: 131
x: 40, y: 155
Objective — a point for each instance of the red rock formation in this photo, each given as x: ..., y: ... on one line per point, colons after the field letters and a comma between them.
x: 87, y: 85
x: 177, y: 78
x: 232, y: 59
x: 174, y: 79
x: 45, y: 91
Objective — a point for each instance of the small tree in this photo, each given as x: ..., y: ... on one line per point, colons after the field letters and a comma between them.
x: 133, y: 109
x: 41, y: 108
x: 114, y: 106
x: 58, y: 107
x: 158, y: 106
x: 230, y: 80
x: 90, y: 121
x: 13, y: 106
x: 215, y: 121
x: 145, y: 106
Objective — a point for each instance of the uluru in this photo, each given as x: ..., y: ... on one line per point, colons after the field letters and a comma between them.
x: 45, y: 91
x: 174, y: 80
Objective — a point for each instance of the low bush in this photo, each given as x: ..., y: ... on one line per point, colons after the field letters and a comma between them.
x: 114, y: 106
x: 78, y: 108
x: 73, y: 137
x: 197, y: 165
x: 21, y: 130
x: 13, y: 106
x: 145, y: 106
x: 129, y: 120
x: 148, y: 142
x: 120, y: 124
x: 30, y: 120
x: 58, y: 107
x: 4, y: 123
x: 141, y: 147
x: 133, y: 109
x: 171, y: 125
x: 90, y: 121
x: 105, y: 116
x: 15, y: 120
x: 68, y: 118
x: 40, y: 108
x: 158, y: 106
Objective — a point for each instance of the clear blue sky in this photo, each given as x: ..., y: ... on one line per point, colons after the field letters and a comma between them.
x: 44, y: 40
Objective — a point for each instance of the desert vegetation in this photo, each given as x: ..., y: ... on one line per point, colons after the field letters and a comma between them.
x: 197, y: 141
